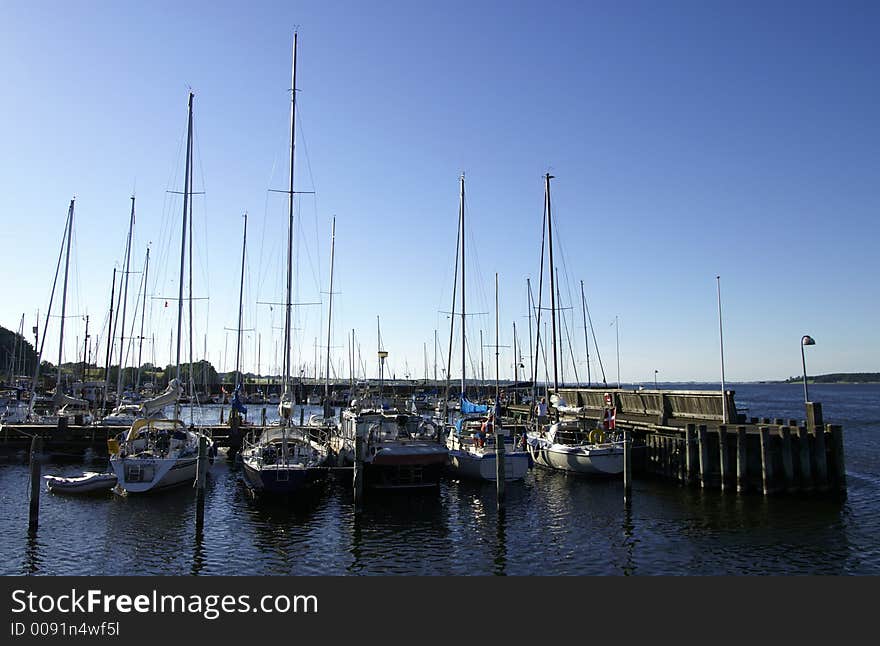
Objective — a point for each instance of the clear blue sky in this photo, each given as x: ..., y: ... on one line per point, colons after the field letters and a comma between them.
x: 688, y: 139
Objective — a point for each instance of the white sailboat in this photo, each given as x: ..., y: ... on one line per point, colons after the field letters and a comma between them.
x: 472, y: 455
x: 570, y: 445
x: 283, y: 459
x: 157, y: 454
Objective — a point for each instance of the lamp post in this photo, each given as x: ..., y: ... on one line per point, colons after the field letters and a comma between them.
x: 806, y: 340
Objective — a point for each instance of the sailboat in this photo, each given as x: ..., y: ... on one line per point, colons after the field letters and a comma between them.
x: 158, y: 454
x: 472, y: 455
x: 327, y: 420
x: 569, y: 445
x: 284, y: 459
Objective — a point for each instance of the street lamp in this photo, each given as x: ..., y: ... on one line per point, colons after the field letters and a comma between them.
x: 805, y: 340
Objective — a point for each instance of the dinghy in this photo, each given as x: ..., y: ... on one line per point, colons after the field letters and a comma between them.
x: 88, y: 482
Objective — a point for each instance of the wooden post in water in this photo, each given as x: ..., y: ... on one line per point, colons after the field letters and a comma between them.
x: 742, y: 482
x: 263, y: 417
x: 302, y: 415
x: 499, y: 465
x: 627, y: 467
x: 221, y: 414
x: 821, y: 458
x: 690, y: 460
x: 837, y: 447
x: 358, y: 476
x: 201, y: 477
x: 766, y: 461
x: 703, y: 443
x: 804, y: 458
x: 722, y: 454
x: 36, y: 473
x: 787, y: 463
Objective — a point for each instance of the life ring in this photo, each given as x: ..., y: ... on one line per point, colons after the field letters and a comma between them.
x: 597, y: 436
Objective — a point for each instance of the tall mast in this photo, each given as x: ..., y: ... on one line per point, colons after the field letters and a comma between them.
x: 124, y: 298
x: 187, y: 187
x: 143, y: 314
x: 461, y: 246
x: 448, y: 375
x: 547, y: 179
x: 329, y: 320
x: 287, y: 302
x: 515, y: 359
x: 64, y: 296
x: 240, y: 309
x: 533, y: 359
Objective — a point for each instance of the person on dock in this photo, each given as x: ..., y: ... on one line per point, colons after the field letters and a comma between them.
x: 485, y: 429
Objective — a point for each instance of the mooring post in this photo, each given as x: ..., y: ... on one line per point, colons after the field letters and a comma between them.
x: 690, y: 459
x: 787, y: 462
x: 36, y: 472
x: 741, y: 461
x: 302, y: 415
x: 627, y: 466
x: 722, y: 454
x: 221, y: 414
x: 263, y: 417
x: 703, y: 443
x: 358, y: 476
x: 499, y: 466
x: 803, y: 436
x: 766, y: 461
x: 821, y: 457
x: 201, y: 477
x: 837, y: 446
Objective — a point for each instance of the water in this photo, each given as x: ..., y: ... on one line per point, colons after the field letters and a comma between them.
x: 554, y: 524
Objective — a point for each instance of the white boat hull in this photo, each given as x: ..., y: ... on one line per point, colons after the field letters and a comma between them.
x: 597, y: 460
x: 142, y: 475
x: 483, y: 466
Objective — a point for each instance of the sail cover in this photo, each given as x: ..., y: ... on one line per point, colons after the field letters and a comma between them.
x: 468, y: 407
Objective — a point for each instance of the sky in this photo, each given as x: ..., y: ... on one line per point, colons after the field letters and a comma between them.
x: 688, y: 141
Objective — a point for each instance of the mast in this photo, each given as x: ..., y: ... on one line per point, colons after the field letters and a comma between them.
x: 85, y: 345
x: 124, y: 298
x: 137, y: 384
x: 287, y: 302
x: 532, y: 358
x: 187, y: 187
x: 327, y: 411
x: 240, y: 310
x: 547, y: 179
x: 64, y: 296
x: 452, y: 309
x: 559, y: 322
x: 461, y: 248
x: 586, y: 342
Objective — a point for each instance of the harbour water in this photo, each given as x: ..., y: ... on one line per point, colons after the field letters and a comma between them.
x: 554, y: 524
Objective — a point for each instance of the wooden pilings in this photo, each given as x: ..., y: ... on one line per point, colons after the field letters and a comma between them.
x: 837, y: 452
x: 722, y: 456
x: 36, y: 476
x: 741, y: 460
x: 358, y: 476
x: 627, y: 467
x: 499, y: 467
x: 766, y: 461
x: 690, y: 452
x: 804, y: 459
x: 263, y: 417
x: 201, y: 477
x: 787, y: 462
x: 703, y: 445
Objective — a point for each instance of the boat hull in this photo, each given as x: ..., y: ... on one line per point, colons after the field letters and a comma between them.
x: 95, y: 483
x: 595, y: 461
x: 146, y: 475
x: 280, y: 480
x: 465, y: 464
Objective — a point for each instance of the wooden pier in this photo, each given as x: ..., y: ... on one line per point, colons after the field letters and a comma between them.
x: 698, y: 438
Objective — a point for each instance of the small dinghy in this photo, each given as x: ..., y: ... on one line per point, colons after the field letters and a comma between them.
x: 88, y: 482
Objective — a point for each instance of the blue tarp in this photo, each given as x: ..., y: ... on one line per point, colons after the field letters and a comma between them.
x: 468, y: 407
